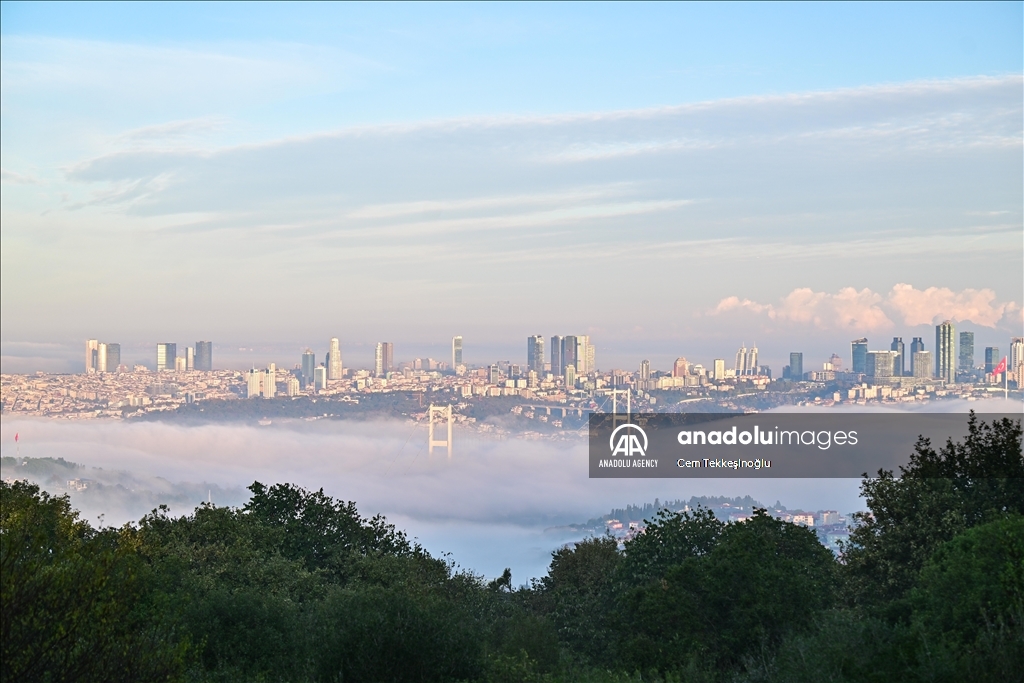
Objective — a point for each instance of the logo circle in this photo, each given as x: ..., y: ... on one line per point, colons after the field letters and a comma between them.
x: 611, y: 439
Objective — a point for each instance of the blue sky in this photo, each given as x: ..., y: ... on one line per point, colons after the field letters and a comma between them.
x: 672, y: 179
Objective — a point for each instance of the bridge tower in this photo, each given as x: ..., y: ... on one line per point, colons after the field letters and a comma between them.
x: 442, y: 412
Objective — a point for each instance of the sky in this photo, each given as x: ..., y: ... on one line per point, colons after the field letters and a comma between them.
x: 672, y: 179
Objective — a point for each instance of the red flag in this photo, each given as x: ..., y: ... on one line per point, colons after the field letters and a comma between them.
x: 1001, y: 368
x: 15, y: 437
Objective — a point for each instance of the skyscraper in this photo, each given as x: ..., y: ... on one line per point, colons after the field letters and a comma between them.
x: 741, y: 360
x: 383, y: 357
x: 557, y: 342
x: 879, y: 364
x: 945, y: 351
x: 583, y: 354
x: 113, y: 357
x: 719, y: 368
x: 190, y: 358
x: 966, y: 352
x: 992, y: 359
x: 269, y: 382
x: 254, y: 379
x: 334, y: 369
x: 535, y: 354
x: 493, y: 374
x: 91, y: 348
x: 101, y: 357
x: 681, y: 368
x: 752, y: 366
x: 837, y: 362
x: 319, y: 377
x: 570, y: 376
x: 796, y: 365
x: 204, y: 356
x: 899, y: 363
x: 166, y: 354
x: 1015, y: 363
x: 645, y: 370
x: 916, y: 346
x: 859, y: 349
x: 569, y: 348
x: 456, y: 351
x: 308, y: 366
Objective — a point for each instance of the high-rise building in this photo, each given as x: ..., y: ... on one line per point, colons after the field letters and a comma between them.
x: 741, y: 360
x: 921, y: 364
x: 945, y: 351
x: 179, y: 364
x: 113, y: 357
x: 752, y: 367
x: 204, y: 356
x: 859, y: 349
x: 796, y: 365
x: 570, y: 345
x: 836, y: 362
x: 645, y: 370
x: 719, y: 368
x: 91, y: 348
x: 457, y: 352
x: 880, y: 364
x: 1016, y: 359
x: 308, y: 367
x: 190, y: 358
x: 570, y: 376
x: 582, y: 354
x: 557, y: 344
x: 916, y: 346
x: 166, y: 353
x: 681, y: 368
x: 254, y: 380
x: 535, y: 354
x: 292, y: 388
x: 899, y: 363
x: 493, y: 374
x: 334, y: 369
x: 101, y: 357
x: 269, y: 382
x: 992, y: 359
x: 591, y: 357
x: 966, y: 352
x: 383, y: 358
x: 320, y: 377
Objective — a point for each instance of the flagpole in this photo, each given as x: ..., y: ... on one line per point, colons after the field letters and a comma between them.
x: 1006, y: 367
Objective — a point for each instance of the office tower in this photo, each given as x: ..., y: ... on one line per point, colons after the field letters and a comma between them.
x: 557, y: 342
x: 269, y: 387
x: 591, y: 357
x: 253, y: 382
x: 91, y: 348
x: 308, y: 366
x: 113, y: 357
x: 899, y: 363
x: 179, y: 364
x: 383, y: 357
x: 859, y: 348
x: 645, y: 370
x: 1015, y: 363
x: 752, y: 366
x: 879, y: 364
x: 457, y: 352
x: 583, y: 354
x: 966, y: 352
x: 796, y: 365
x: 917, y: 345
x: 741, y: 360
x: 101, y: 357
x: 334, y: 369
x: 719, y: 368
x: 570, y: 377
x: 319, y: 377
x: 681, y: 368
x: 921, y: 364
x: 992, y: 359
x: 837, y: 362
x: 493, y: 374
x: 569, y: 348
x: 945, y: 351
x: 293, y: 387
x: 166, y: 353
x: 204, y: 356
x: 535, y: 353
x: 190, y: 358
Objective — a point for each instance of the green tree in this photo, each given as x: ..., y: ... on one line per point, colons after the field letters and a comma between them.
x: 938, y: 495
x: 78, y: 604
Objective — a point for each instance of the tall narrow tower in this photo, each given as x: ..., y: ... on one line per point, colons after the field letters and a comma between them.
x: 334, y: 369
x: 456, y: 351
x: 945, y: 351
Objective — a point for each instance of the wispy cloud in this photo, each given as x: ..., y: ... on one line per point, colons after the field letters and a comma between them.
x: 12, y: 178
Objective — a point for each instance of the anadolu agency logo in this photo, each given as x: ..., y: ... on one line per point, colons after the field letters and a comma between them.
x: 628, y: 443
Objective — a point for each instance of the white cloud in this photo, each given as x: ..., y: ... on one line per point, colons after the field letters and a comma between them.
x: 12, y: 178
x: 866, y: 311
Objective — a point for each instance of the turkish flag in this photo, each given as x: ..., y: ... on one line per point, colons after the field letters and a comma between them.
x: 1001, y: 368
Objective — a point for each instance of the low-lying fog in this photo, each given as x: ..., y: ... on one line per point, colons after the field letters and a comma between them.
x: 489, y: 506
